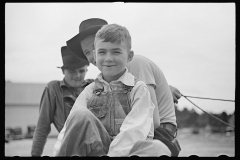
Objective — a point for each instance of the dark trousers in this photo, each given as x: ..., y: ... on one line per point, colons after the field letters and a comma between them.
x: 167, y: 137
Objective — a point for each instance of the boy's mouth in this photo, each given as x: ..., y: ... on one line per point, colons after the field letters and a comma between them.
x: 108, y: 65
x: 77, y: 79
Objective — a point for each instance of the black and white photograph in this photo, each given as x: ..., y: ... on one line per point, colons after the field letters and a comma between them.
x: 120, y: 79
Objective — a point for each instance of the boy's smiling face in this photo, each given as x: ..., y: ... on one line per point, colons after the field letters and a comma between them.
x: 112, y: 58
x: 75, y: 77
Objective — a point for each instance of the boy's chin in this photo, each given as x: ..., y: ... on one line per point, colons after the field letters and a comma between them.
x: 75, y: 84
x: 108, y: 74
x: 112, y: 76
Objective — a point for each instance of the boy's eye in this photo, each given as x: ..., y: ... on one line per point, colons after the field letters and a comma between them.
x: 86, y: 53
x: 81, y: 71
x: 71, y: 70
x: 101, y: 52
x: 116, y: 52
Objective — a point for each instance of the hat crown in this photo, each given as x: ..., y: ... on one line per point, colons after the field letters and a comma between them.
x: 70, y: 60
x: 86, y: 28
x: 67, y: 56
x: 65, y: 51
x: 88, y: 23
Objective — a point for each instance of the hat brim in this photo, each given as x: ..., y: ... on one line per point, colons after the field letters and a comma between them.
x: 74, y: 43
x: 75, y: 65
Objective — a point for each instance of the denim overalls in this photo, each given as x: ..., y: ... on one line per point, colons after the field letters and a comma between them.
x: 112, y: 107
x: 89, y: 132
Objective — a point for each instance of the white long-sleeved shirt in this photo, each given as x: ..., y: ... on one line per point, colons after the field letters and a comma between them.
x: 138, y: 124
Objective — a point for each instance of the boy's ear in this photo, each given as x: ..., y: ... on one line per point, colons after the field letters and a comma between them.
x: 94, y: 54
x: 130, y: 55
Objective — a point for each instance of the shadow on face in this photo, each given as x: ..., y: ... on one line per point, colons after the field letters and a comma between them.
x: 75, y: 77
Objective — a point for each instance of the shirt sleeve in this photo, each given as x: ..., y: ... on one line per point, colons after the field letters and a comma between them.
x: 137, y: 125
x: 80, y: 102
x: 43, y: 126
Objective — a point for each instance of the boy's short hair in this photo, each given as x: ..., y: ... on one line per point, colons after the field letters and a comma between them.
x: 114, y: 33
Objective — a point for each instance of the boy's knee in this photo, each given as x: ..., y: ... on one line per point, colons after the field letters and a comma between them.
x: 81, y: 114
x: 163, y: 149
x: 153, y: 148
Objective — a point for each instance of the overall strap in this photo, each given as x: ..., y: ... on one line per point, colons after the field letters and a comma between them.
x: 98, y: 88
x: 129, y: 95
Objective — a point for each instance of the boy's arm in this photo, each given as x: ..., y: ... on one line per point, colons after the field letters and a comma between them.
x: 156, y: 118
x: 43, y: 126
x: 137, y: 125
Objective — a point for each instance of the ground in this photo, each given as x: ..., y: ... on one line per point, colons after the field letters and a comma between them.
x: 203, y: 144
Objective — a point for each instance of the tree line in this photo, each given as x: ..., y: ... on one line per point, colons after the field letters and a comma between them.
x: 189, y: 118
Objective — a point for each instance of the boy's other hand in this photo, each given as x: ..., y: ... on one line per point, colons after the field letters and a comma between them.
x: 175, y: 93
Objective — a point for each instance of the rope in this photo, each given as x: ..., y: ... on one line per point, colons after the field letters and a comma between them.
x: 211, y: 98
x: 210, y: 114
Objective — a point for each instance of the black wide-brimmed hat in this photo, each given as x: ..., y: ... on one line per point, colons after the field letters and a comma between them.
x: 87, y: 27
x: 71, y: 61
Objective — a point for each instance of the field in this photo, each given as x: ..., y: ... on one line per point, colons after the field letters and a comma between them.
x: 203, y: 144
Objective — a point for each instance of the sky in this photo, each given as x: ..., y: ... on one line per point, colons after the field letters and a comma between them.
x: 192, y: 43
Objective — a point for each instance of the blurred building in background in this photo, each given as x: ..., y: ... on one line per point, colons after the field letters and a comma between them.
x: 22, y: 102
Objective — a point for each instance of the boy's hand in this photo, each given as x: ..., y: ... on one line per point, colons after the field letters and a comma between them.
x: 175, y: 93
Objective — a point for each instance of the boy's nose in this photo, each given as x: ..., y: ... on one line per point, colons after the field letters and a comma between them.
x: 108, y: 57
x: 78, y: 75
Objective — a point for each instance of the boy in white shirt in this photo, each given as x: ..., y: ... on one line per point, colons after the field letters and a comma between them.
x: 144, y: 69
x: 114, y: 115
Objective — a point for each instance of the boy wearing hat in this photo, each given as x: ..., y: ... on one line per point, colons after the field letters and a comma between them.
x: 141, y: 67
x: 58, y: 98
x: 114, y: 114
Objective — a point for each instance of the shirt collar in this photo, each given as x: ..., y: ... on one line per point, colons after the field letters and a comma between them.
x: 62, y: 83
x: 127, y: 78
